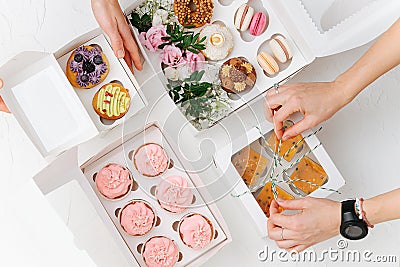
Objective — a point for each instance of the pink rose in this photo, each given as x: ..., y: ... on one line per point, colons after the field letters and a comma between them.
x: 195, y: 61
x: 153, y: 37
x: 172, y: 56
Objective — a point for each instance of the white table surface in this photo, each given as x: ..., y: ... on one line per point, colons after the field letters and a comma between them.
x: 362, y: 139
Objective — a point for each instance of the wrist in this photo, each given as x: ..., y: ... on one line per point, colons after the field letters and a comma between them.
x: 371, y: 209
x: 345, y: 90
x: 337, y: 209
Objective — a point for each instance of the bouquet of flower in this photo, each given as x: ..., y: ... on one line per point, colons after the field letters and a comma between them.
x: 202, y: 102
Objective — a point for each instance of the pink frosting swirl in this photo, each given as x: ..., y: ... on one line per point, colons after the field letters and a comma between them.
x: 174, y: 194
x: 160, y: 252
x: 151, y: 160
x: 113, y: 181
x: 137, y: 218
x: 195, y: 231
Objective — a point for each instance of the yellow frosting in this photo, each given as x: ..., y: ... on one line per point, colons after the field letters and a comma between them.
x: 112, y: 101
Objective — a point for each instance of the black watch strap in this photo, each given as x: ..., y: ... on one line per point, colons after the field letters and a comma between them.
x: 351, y: 226
x: 348, y: 212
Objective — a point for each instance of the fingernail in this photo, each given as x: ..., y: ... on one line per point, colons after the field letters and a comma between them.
x: 120, y: 53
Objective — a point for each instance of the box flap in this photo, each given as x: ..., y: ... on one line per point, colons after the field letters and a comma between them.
x: 30, y: 79
x: 62, y: 170
x: 334, y: 26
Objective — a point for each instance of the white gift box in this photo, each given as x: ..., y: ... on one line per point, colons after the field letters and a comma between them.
x: 253, y: 137
x: 67, y: 169
x: 313, y: 29
x: 54, y: 115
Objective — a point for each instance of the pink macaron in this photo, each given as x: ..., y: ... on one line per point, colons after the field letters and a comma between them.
x: 258, y: 24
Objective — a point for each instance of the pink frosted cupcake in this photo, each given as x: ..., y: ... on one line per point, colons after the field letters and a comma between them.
x: 196, y: 231
x: 160, y: 251
x: 114, y: 181
x: 174, y: 194
x: 151, y: 160
x: 137, y: 218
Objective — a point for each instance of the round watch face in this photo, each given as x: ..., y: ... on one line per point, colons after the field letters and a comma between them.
x: 354, y: 231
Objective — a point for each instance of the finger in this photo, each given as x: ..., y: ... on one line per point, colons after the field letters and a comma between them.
x: 283, y: 221
x: 296, y: 129
x: 275, y: 233
x: 128, y: 61
x: 285, y: 244
x: 277, y: 219
x: 281, y: 89
x: 130, y: 43
x: 293, y: 204
x: 3, y: 106
x: 281, y: 116
x: 277, y: 99
x: 116, y: 42
x: 274, y: 207
x: 297, y: 248
x: 267, y: 111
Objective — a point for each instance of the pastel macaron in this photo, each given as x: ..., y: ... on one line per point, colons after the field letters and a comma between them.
x: 268, y: 63
x: 280, y: 48
x: 243, y: 17
x: 258, y: 24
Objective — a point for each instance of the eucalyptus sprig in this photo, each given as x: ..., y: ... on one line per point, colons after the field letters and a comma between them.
x: 184, y: 39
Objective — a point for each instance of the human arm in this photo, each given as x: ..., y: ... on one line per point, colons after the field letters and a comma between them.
x: 320, y: 101
x: 320, y: 219
x: 111, y: 19
x: 3, y: 106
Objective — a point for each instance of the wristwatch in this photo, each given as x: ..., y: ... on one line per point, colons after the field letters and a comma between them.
x: 352, y: 227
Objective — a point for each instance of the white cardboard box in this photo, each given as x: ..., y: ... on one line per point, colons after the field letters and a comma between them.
x: 66, y: 169
x: 299, y: 21
x: 223, y: 161
x: 54, y: 115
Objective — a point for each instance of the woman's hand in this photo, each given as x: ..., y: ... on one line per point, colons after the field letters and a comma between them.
x: 112, y: 20
x: 318, y: 220
x: 316, y: 101
x: 3, y: 106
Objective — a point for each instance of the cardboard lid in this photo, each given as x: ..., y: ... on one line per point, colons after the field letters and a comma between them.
x: 333, y: 26
x: 44, y: 103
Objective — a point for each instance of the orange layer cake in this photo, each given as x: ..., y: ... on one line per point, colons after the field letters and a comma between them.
x: 266, y: 196
x: 249, y: 164
x: 308, y: 170
x: 273, y: 143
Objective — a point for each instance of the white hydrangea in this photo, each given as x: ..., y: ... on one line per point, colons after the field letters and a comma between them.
x: 160, y: 17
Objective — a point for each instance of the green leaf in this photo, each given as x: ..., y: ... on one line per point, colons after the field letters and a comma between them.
x: 186, y: 41
x: 200, y: 75
x: 193, y: 50
x: 193, y: 76
x: 198, y: 46
x: 146, y: 18
x: 202, y: 39
x: 195, y: 37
